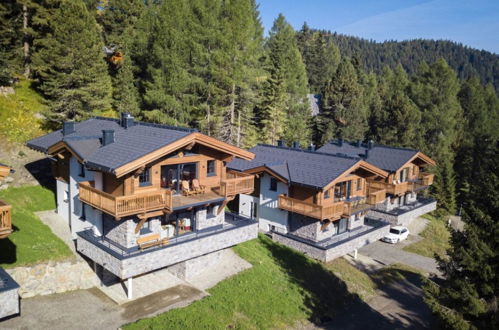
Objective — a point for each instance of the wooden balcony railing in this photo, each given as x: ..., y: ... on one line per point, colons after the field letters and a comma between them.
x: 321, y: 212
x: 237, y: 183
x: 390, y: 188
x: 376, y: 196
x: 120, y: 206
x: 5, y: 219
x: 426, y: 178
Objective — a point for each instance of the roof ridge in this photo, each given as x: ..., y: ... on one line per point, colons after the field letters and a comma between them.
x: 309, y: 151
x: 364, y: 145
x: 143, y: 123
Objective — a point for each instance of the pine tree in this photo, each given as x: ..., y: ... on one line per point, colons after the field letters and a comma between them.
x: 397, y: 121
x: 434, y: 90
x: 71, y: 67
x: 481, y: 114
x: 468, y: 295
x: 344, y: 110
x: 287, y: 76
x: 118, y: 19
x: 320, y: 55
x: 161, y: 52
x: 10, y: 40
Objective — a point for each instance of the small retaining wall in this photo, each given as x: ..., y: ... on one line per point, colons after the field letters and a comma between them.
x: 405, y: 218
x: 336, y: 251
x: 53, y: 277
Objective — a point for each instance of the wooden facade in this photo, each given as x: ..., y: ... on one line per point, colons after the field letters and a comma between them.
x: 348, y: 194
x: 157, y: 186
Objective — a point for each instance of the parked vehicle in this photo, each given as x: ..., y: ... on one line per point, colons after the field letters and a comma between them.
x: 396, y: 234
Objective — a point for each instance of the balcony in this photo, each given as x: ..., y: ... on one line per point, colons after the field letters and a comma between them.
x: 237, y: 183
x: 121, y: 206
x: 376, y: 196
x: 355, y: 205
x: 423, y: 181
x: 321, y: 212
x: 127, y: 262
x: 390, y: 188
x: 5, y: 219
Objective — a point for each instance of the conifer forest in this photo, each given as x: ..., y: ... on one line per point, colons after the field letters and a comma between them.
x: 207, y: 64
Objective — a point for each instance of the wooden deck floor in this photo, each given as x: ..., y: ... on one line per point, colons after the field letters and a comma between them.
x: 207, y: 197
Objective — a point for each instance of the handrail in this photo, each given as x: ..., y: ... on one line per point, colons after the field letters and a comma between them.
x: 320, y: 212
x: 237, y: 183
x: 120, y: 206
x: 376, y: 196
x: 390, y: 188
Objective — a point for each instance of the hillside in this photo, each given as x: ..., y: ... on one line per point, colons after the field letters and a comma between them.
x: 464, y: 60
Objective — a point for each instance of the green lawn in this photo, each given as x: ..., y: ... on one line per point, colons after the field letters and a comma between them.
x: 357, y: 281
x: 283, y: 288
x: 435, y: 239
x: 32, y: 241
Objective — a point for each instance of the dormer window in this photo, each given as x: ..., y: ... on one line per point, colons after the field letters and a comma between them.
x: 145, y: 177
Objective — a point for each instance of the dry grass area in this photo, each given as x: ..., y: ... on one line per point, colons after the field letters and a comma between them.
x: 435, y: 239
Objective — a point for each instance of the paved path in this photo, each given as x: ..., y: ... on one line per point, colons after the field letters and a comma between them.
x: 388, y: 254
x: 91, y: 309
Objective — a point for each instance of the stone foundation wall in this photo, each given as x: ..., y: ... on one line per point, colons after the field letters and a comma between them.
x: 122, y: 232
x: 405, y: 218
x: 53, y: 277
x: 186, y: 270
x: 169, y: 255
x: 209, y: 218
x: 339, y: 250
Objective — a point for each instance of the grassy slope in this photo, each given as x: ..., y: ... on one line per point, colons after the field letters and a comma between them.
x: 32, y: 241
x: 18, y: 121
x: 357, y: 281
x: 282, y: 288
x: 435, y: 239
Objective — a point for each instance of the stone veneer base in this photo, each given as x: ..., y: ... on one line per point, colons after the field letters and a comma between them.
x: 404, y: 218
x: 169, y: 255
x: 338, y: 250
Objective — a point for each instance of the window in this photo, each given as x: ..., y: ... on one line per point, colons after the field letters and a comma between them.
x: 81, y: 172
x: 326, y: 194
x: 273, y: 184
x: 144, y: 178
x: 359, y: 184
x: 210, y: 168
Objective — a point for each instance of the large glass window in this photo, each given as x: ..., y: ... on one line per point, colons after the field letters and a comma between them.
x: 173, y: 175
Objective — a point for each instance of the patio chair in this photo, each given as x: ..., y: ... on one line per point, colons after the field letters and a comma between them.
x: 186, y: 190
x: 198, y: 188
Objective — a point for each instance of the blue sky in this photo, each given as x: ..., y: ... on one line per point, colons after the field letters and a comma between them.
x: 472, y: 22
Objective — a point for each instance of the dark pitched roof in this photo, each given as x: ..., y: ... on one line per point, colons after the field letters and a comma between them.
x: 307, y: 168
x: 129, y: 143
x: 387, y: 158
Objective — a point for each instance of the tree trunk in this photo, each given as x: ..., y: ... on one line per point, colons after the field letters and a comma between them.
x: 232, y: 112
x: 27, y: 69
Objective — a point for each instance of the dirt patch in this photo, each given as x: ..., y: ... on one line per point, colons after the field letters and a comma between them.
x: 31, y: 167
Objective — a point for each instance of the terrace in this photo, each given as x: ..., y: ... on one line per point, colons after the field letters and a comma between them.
x: 321, y: 212
x: 126, y: 262
x: 162, y: 199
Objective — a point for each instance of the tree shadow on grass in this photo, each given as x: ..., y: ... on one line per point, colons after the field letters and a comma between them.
x: 41, y: 170
x: 8, y: 250
x: 326, y: 296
